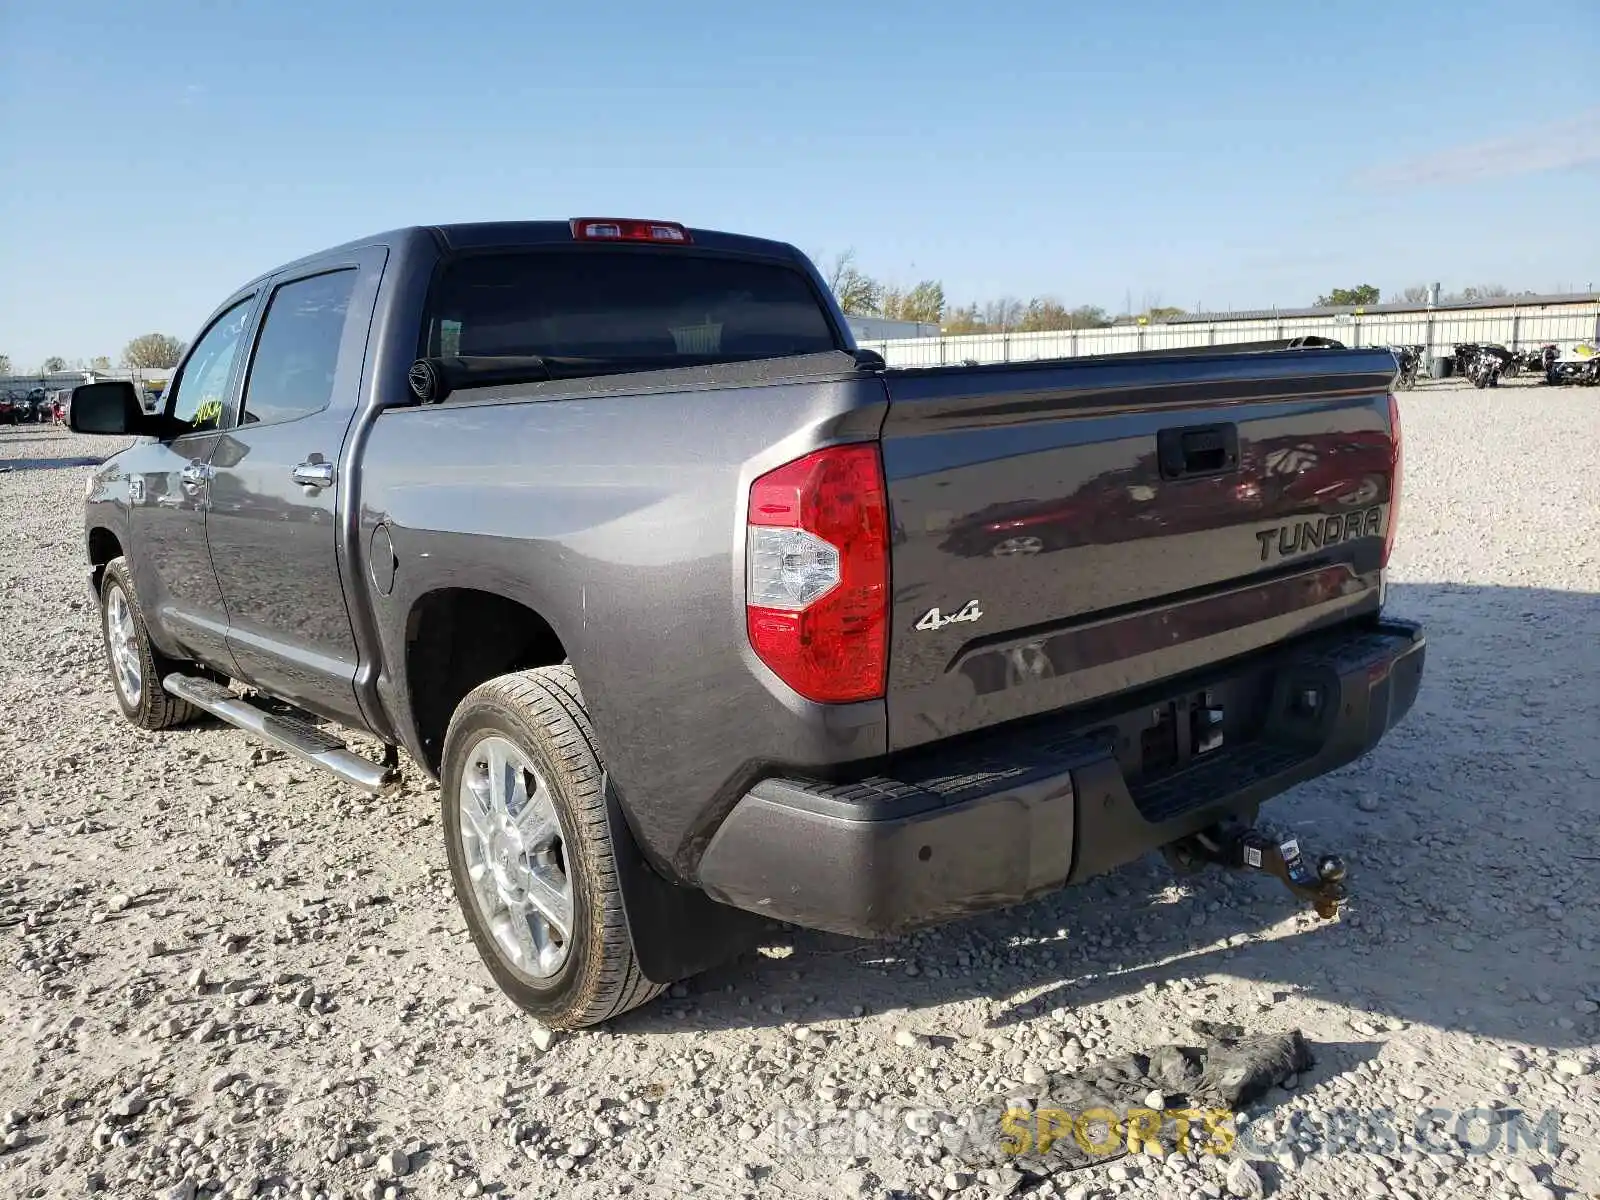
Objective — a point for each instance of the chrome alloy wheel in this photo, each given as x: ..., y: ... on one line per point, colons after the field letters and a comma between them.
x: 122, y: 639
x: 514, y: 850
x: 1364, y: 493
x: 1012, y: 546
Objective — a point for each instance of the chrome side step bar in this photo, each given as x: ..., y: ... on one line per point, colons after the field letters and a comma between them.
x: 297, y: 737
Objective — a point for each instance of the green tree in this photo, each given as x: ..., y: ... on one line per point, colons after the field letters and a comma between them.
x: 1003, y: 315
x: 52, y: 364
x: 152, y: 350
x: 924, y: 303
x: 857, y: 292
x: 963, y: 321
x: 1161, y: 312
x: 1044, y: 314
x: 1483, y: 291
x: 1363, y: 293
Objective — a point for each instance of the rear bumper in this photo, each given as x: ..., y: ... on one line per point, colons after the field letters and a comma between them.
x: 1025, y: 811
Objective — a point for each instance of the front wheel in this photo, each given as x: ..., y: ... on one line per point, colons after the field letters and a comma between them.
x: 137, y: 667
x: 529, y: 846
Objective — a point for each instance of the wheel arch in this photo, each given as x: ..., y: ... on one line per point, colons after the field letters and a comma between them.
x: 104, y: 545
x: 457, y: 637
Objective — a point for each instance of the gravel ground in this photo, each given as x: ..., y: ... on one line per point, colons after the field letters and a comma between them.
x: 225, y: 973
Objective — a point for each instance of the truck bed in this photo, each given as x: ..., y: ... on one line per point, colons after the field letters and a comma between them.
x: 1129, y: 577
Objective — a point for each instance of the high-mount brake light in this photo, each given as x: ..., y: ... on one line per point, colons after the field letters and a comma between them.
x: 627, y: 229
x: 1394, y: 478
x: 817, y: 574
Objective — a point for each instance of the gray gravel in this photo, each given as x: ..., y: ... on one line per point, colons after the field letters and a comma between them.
x: 224, y: 975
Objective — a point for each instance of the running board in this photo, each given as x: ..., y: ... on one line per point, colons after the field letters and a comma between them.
x: 298, y: 737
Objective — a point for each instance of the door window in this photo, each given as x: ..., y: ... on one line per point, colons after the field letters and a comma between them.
x: 297, y: 353
x: 198, y: 393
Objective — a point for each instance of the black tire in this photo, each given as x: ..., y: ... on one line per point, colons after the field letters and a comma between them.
x: 153, y: 708
x: 541, y: 712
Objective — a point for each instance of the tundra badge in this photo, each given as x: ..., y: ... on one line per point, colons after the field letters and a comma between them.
x: 1318, y: 533
x: 933, y: 620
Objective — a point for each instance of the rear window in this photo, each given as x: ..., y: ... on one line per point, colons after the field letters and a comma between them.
x: 651, y: 305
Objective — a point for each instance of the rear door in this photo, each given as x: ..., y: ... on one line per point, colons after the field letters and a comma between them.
x: 1075, y: 529
x: 273, y: 526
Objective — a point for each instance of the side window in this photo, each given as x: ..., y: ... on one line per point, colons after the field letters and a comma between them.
x: 197, y: 395
x: 291, y: 375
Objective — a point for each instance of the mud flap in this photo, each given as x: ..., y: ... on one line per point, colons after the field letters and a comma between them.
x: 676, y: 931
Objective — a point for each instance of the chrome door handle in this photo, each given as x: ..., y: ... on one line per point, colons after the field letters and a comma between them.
x: 314, y: 474
x: 193, y: 476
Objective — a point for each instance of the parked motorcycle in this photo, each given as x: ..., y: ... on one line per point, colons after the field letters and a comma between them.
x: 1409, y: 360
x: 1527, y: 362
x: 1548, y: 356
x: 1483, y: 363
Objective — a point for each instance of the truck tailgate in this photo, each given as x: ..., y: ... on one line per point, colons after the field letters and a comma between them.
x: 1067, y: 530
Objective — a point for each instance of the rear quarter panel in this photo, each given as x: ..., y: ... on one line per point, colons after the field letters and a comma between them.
x: 620, y: 520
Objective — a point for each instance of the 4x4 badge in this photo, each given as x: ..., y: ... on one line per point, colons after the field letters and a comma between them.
x: 933, y: 620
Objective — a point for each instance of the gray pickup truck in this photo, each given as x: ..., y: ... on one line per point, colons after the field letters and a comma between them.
x: 703, y: 618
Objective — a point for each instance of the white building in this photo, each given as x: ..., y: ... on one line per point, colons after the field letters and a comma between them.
x: 1518, y: 322
x: 879, y: 329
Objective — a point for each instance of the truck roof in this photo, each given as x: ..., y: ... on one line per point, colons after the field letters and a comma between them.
x: 479, y: 235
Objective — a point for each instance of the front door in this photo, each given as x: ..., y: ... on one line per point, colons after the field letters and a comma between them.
x: 273, y: 524
x: 167, y: 492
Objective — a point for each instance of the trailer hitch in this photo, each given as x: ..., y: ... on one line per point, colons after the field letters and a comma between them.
x: 1242, y: 847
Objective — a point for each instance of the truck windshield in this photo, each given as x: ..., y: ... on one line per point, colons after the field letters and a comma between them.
x: 655, y: 306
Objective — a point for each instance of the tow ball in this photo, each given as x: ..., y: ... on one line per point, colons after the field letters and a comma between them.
x: 1242, y: 847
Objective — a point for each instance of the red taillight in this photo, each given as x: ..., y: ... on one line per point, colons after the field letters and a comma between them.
x: 1394, y: 478
x: 817, y: 574
x: 623, y: 229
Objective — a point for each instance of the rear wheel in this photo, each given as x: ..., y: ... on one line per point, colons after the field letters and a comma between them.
x: 530, y: 851
x: 137, y: 667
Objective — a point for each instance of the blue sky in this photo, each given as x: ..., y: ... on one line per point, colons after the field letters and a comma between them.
x: 1235, y: 154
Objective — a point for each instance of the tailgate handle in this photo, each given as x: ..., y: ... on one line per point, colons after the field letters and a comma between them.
x: 1198, y: 450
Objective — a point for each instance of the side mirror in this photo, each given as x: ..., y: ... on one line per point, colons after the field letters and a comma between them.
x: 107, y: 408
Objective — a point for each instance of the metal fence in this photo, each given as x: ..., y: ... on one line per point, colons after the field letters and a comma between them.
x: 1436, y: 330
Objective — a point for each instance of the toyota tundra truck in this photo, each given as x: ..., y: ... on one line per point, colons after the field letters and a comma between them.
x: 703, y: 618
